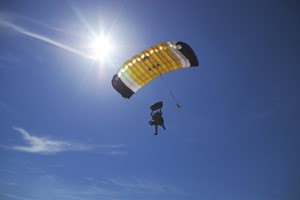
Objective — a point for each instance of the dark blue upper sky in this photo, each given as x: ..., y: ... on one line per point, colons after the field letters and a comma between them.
x: 67, y: 134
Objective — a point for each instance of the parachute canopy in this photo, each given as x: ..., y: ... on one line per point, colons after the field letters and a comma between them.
x: 156, y: 106
x: 150, y: 63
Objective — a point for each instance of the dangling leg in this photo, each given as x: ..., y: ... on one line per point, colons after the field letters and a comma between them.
x: 155, y: 130
x: 162, y: 124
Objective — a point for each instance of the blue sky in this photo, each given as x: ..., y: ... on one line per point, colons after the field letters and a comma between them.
x: 66, y: 134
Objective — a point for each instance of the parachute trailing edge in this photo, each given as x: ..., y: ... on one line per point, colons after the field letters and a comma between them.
x: 150, y: 63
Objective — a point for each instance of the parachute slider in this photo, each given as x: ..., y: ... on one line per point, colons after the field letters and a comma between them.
x: 156, y: 106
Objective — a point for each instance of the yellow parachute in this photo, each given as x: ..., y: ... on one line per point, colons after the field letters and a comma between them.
x: 150, y: 63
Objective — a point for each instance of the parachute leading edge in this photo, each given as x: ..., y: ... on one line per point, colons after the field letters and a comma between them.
x: 150, y: 63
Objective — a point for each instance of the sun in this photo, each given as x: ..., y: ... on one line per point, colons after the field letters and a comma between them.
x: 102, y: 48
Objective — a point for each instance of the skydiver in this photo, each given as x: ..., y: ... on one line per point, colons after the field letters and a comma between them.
x: 157, y: 119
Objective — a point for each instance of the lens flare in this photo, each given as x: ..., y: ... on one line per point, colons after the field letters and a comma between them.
x: 101, y: 48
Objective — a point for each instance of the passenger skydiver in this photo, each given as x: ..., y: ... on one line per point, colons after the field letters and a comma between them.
x: 157, y: 119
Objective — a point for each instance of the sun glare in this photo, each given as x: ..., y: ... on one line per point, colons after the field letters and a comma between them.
x: 102, y: 48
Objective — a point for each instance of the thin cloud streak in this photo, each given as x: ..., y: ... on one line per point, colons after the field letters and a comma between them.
x: 15, y: 196
x: 44, y: 145
x: 45, y: 39
x: 145, y: 186
x: 74, y: 191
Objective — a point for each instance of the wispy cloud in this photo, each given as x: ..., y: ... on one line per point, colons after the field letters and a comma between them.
x: 112, y: 189
x: 5, y: 22
x: 44, y: 145
x: 10, y: 171
x: 142, y: 185
x: 13, y: 196
x: 94, y: 188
